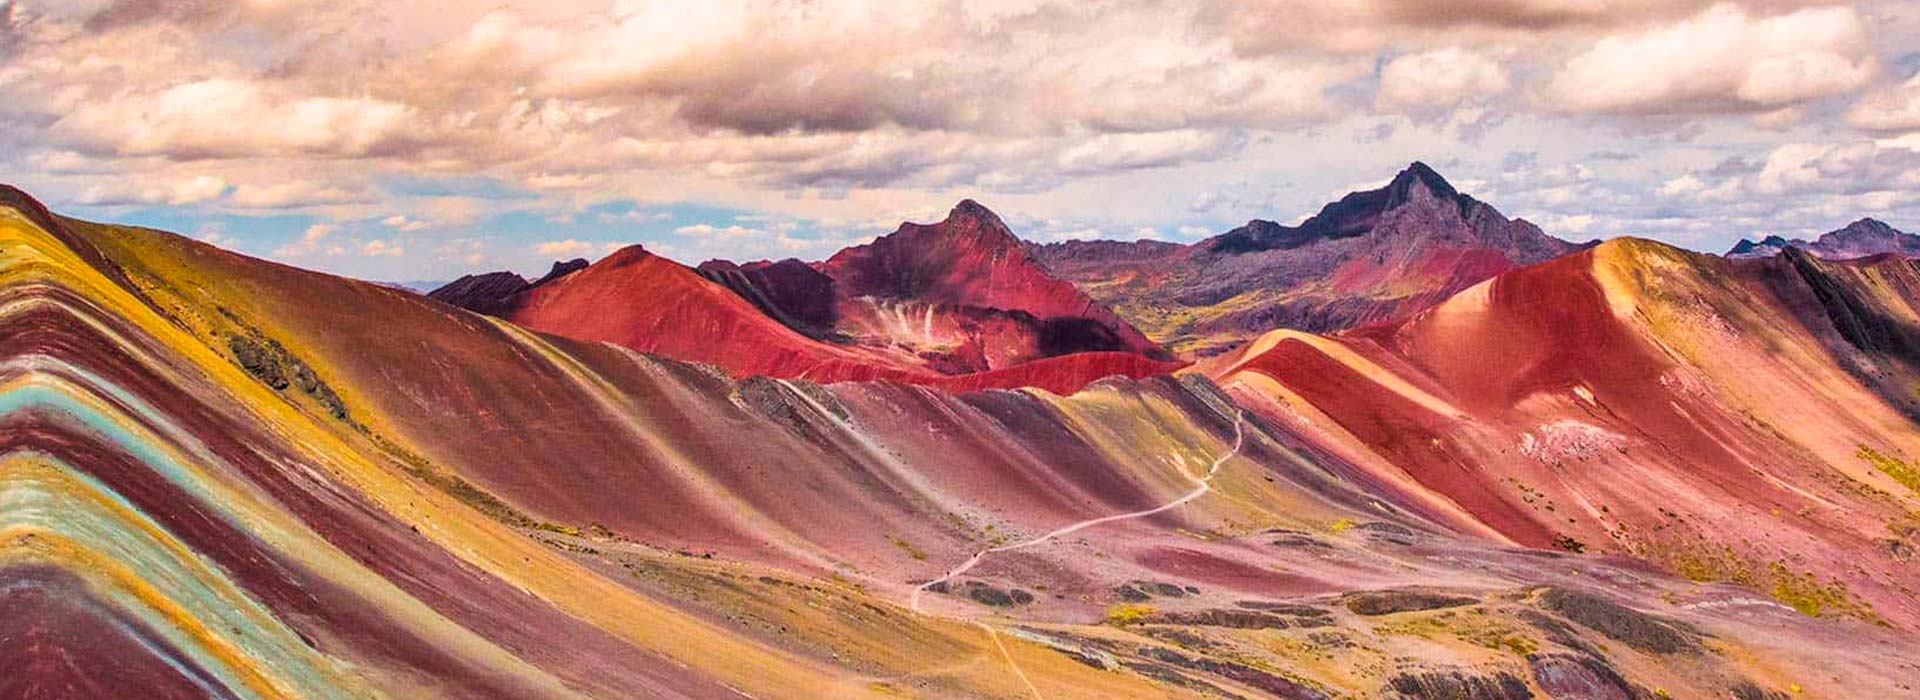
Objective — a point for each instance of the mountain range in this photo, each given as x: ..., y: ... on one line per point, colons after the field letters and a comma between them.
x: 1372, y: 256
x: 1452, y: 458
x: 1863, y: 238
x: 957, y: 304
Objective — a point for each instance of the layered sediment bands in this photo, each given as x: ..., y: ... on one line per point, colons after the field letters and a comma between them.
x: 229, y: 485
x: 422, y: 502
x: 1731, y: 421
x: 368, y: 543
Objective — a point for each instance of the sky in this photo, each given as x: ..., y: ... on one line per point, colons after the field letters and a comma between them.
x: 407, y: 140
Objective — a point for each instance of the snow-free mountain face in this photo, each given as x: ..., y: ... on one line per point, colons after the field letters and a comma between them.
x: 1863, y: 238
x: 1745, y: 421
x: 788, y: 320
x: 970, y: 278
x: 958, y: 303
x: 231, y: 478
x: 1372, y: 256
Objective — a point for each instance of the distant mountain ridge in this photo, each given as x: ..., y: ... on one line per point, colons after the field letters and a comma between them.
x: 1371, y: 256
x: 1863, y: 238
x: 958, y: 304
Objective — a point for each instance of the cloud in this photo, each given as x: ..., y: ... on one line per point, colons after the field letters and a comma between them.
x: 1186, y: 116
x: 1438, y: 80
x: 1571, y: 224
x: 405, y: 224
x: 1131, y: 151
x: 1814, y: 184
x: 382, y: 247
x: 632, y: 215
x: 313, y: 241
x: 711, y: 231
x: 194, y: 190
x: 1056, y: 231
x: 939, y: 93
x: 215, y: 233
x: 1891, y: 109
x: 571, y: 248
x: 227, y: 118
x: 1722, y: 60
x: 298, y: 194
x: 1285, y: 26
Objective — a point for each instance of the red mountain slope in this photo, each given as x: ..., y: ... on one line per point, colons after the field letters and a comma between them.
x: 648, y: 303
x: 959, y: 296
x: 1749, y: 422
x: 971, y: 259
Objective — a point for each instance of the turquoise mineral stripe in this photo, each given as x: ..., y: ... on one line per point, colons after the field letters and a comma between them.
x: 66, y: 501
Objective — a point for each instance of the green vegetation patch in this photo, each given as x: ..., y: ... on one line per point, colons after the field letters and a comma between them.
x: 270, y: 362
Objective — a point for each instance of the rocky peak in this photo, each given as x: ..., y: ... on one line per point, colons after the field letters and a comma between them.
x: 970, y: 259
x: 973, y: 220
x: 900, y: 262
x: 1768, y: 246
x: 492, y: 292
x: 562, y: 269
x: 1865, y: 229
x: 626, y: 255
x: 1863, y: 238
x: 485, y: 293
x: 1358, y: 213
x: 791, y: 291
x: 975, y: 211
x: 1416, y: 180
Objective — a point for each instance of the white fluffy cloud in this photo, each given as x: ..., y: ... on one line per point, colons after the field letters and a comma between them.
x: 570, y: 248
x: 379, y: 247
x: 316, y: 240
x: 1796, y: 173
x: 1181, y: 115
x: 1893, y: 109
x: 712, y: 231
x: 405, y: 224
x: 194, y: 190
x: 838, y: 93
x: 225, y: 117
x: 1439, y: 80
x: 1724, y: 59
x: 297, y: 193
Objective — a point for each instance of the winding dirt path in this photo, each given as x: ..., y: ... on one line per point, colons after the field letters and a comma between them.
x: 1203, y: 484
